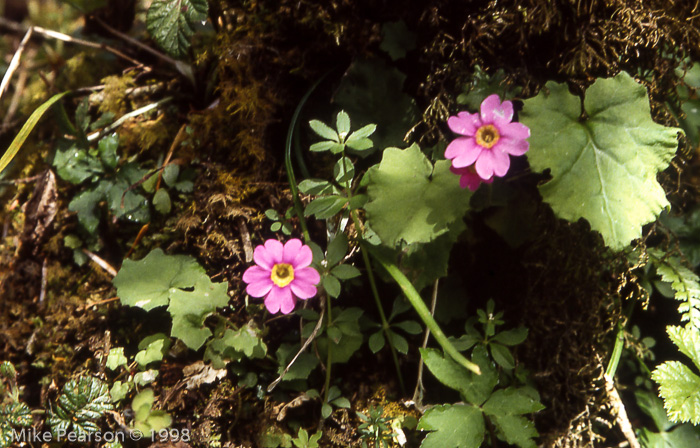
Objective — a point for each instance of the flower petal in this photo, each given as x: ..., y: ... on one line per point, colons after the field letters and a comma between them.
x: 290, y: 250
x: 515, y: 131
x: 461, y: 146
x: 468, y: 158
x: 307, y: 275
x: 464, y: 123
x: 256, y: 274
x: 512, y: 146
x: 280, y: 299
x: 275, y: 250
x: 303, y: 257
x: 492, y: 163
x: 303, y: 290
x: 495, y: 112
x: 259, y: 289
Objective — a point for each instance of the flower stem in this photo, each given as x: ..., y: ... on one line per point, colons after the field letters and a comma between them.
x: 329, y: 359
x: 382, y: 316
x: 423, y: 312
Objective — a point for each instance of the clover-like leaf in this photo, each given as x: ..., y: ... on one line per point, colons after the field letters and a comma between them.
x: 603, y: 165
x: 171, y: 23
x: 454, y: 426
x: 410, y: 200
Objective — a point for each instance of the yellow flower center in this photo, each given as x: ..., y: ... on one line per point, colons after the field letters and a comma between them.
x: 282, y: 274
x: 487, y: 136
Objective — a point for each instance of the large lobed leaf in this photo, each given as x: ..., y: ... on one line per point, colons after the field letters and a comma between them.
x: 603, y: 166
x: 453, y: 426
x: 410, y: 200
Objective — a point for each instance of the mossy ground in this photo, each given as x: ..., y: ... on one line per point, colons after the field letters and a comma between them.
x: 56, y: 319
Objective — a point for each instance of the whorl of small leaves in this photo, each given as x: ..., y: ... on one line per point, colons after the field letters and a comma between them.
x: 685, y: 283
x: 171, y: 23
x: 82, y: 403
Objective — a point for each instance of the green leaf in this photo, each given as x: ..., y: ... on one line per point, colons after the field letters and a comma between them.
x: 482, y: 85
x: 333, y: 147
x: 337, y: 249
x: 409, y: 326
x: 27, y: 128
x: 120, y: 390
x: 345, y: 272
x: 342, y: 123
x: 453, y: 426
x: 331, y: 285
x: 75, y: 165
x: 326, y: 410
x: 680, y: 389
x: 603, y: 167
x: 107, y: 148
x: 170, y: 174
x: 684, y: 282
x: 344, y: 171
x: 376, y: 341
x: 474, y: 388
x: 171, y: 23
x: 178, y: 281
x: 325, y: 207
x: 399, y: 342
x: 81, y: 403
x: 161, y: 201
x: 511, y: 337
x: 502, y: 356
x: 505, y: 408
x: 152, y: 349
x: 412, y: 201
x: 372, y: 92
x: 317, y: 187
x: 359, y: 140
x: 397, y: 40
x: 85, y: 204
x: 302, y: 367
x: 323, y: 130
x: 116, y: 358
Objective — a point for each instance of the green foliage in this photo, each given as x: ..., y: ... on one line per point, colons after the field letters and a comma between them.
x: 334, y: 400
x: 82, y: 402
x: 686, y: 228
x: 304, y: 441
x: 146, y: 420
x: 679, y: 386
x: 27, y: 128
x: 463, y: 425
x: 280, y: 222
x: 371, y: 91
x: 377, y: 340
x: 96, y: 170
x: 86, y: 6
x: 412, y: 201
x: 177, y: 281
x: 604, y: 164
x: 234, y: 345
x: 375, y: 428
x: 669, y: 435
x: 152, y: 349
x: 343, y: 334
x: 483, y: 85
x: 397, y: 40
x: 12, y: 414
x: 684, y: 282
x: 171, y: 23
x: 340, y: 139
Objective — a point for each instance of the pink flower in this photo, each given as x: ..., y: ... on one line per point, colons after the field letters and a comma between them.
x: 487, y: 139
x: 282, y: 274
x: 468, y: 177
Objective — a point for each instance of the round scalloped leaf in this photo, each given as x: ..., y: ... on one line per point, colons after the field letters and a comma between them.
x: 412, y: 201
x: 603, y: 166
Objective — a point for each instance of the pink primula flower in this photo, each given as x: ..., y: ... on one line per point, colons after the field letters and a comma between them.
x: 487, y: 140
x: 468, y: 177
x: 282, y: 274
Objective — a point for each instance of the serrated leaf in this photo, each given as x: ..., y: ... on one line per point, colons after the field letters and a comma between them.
x: 474, y: 388
x: 505, y: 408
x: 603, y: 167
x: 680, y: 389
x: 453, y: 426
x: 684, y: 282
x: 171, y: 23
x: 323, y: 130
x: 81, y: 402
x: 412, y: 201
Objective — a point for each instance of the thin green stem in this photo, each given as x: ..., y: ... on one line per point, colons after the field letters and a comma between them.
x: 619, y: 343
x: 417, y: 301
x: 329, y: 359
x: 382, y: 316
